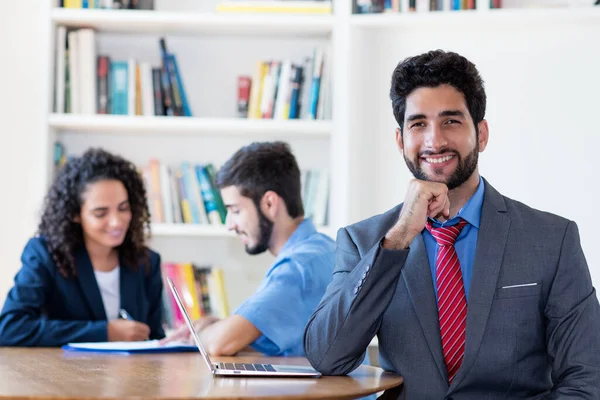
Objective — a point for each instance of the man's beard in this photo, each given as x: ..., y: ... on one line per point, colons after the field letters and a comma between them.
x: 462, y: 173
x: 265, y: 230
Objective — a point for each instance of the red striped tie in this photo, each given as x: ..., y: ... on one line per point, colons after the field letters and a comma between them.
x: 452, y: 303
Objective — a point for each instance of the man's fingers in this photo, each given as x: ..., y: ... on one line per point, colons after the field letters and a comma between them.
x: 441, y: 206
x: 180, y: 334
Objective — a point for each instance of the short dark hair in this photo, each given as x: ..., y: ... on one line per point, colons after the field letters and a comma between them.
x: 262, y: 166
x: 64, y: 200
x: 436, y: 68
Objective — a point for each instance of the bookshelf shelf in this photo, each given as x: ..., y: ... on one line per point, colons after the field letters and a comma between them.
x: 468, y: 18
x: 189, y: 126
x: 178, y: 230
x: 210, y: 231
x: 163, y: 22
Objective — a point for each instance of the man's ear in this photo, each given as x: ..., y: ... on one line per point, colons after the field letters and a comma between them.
x: 270, y: 204
x: 484, y: 135
x: 399, y: 140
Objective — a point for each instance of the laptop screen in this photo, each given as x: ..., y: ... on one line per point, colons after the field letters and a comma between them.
x: 190, y: 325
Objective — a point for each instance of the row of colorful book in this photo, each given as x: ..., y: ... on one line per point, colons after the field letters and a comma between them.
x: 404, y: 6
x: 202, y: 290
x: 187, y: 193
x: 109, y: 4
x: 87, y: 83
x: 286, y: 90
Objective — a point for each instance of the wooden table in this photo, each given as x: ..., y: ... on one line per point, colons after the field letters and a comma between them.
x: 51, y: 373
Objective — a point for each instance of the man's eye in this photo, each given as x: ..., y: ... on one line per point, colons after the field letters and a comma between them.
x: 453, y: 121
x: 100, y: 215
x: 418, y: 125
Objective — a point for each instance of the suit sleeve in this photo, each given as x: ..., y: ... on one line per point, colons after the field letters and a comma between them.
x: 349, y: 315
x: 21, y: 320
x: 573, y: 325
x: 155, y: 296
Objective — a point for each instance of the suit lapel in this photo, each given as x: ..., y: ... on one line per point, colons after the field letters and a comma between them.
x: 491, y: 242
x: 128, y: 281
x: 89, y: 285
x: 417, y: 277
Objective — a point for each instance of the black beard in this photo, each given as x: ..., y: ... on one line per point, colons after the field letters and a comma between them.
x: 463, y: 171
x: 265, y: 230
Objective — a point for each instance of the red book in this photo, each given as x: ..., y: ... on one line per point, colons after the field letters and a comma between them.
x: 243, y: 96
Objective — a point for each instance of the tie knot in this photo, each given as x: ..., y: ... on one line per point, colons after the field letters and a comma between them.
x: 446, y: 235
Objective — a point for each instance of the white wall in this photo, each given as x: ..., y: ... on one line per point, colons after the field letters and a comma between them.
x: 542, y: 84
x: 22, y: 112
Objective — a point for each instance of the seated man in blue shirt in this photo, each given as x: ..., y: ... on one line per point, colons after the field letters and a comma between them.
x: 260, y: 186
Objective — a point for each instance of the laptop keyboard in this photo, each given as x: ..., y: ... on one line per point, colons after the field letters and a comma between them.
x: 248, y: 367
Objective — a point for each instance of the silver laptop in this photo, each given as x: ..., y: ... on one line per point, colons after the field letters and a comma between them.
x: 240, y: 369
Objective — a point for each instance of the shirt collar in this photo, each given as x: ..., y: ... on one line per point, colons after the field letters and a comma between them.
x: 304, y: 230
x: 471, y: 211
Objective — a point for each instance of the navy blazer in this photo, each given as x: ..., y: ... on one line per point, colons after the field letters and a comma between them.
x: 46, y: 309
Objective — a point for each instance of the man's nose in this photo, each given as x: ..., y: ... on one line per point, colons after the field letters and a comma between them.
x: 229, y: 223
x: 435, y: 138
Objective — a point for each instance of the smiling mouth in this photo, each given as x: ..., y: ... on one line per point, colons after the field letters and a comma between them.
x: 439, y: 160
x: 115, y: 233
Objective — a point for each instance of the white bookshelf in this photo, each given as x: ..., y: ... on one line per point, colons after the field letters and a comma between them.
x: 522, y: 54
x: 194, y: 126
x: 206, y: 231
x: 211, y: 50
x: 191, y: 230
x: 192, y: 23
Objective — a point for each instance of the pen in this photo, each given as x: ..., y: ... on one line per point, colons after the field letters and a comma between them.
x: 124, y: 314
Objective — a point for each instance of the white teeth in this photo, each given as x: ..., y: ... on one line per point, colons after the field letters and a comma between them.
x: 438, y: 160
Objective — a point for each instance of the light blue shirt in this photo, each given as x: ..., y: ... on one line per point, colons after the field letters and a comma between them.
x: 290, y: 292
x: 465, y: 243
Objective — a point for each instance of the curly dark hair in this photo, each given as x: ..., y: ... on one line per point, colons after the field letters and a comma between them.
x: 436, y: 68
x: 63, y: 203
x: 263, y: 166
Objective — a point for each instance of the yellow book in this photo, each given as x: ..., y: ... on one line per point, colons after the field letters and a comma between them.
x: 217, y: 274
x: 276, y: 6
x: 256, y: 90
x: 138, y: 90
x: 188, y: 293
x: 73, y: 4
x: 186, y: 211
x: 155, y: 191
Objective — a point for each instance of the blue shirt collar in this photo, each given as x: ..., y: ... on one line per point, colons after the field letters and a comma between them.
x: 471, y: 211
x: 304, y: 230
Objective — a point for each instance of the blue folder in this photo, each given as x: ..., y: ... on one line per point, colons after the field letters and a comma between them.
x: 144, y: 347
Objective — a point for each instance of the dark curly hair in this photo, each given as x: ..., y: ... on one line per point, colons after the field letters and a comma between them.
x: 63, y: 203
x: 431, y: 70
x: 263, y: 166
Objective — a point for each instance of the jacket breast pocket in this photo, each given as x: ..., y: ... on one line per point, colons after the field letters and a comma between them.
x: 507, y: 292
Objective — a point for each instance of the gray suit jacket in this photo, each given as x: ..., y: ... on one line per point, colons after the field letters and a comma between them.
x: 526, y: 342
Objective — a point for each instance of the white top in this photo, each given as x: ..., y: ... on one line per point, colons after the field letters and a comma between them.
x: 110, y: 289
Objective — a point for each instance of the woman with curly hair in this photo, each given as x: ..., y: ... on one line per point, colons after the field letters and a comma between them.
x: 88, y: 265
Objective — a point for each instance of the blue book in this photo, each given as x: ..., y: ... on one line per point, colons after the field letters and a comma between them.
x: 184, y: 101
x: 119, y: 79
x: 294, y: 97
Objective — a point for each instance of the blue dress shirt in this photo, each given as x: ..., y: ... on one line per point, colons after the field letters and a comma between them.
x: 290, y: 292
x: 465, y: 243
